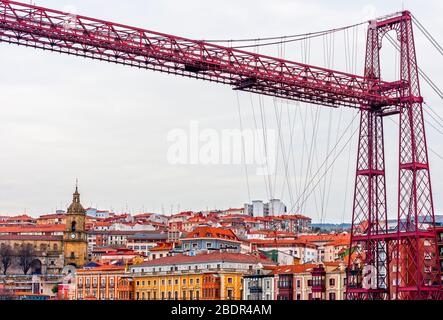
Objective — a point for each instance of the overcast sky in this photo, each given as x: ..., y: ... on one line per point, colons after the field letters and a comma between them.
x: 63, y: 117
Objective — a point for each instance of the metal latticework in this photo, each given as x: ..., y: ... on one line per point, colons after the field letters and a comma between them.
x: 400, y: 262
x: 384, y: 263
x: 57, y: 31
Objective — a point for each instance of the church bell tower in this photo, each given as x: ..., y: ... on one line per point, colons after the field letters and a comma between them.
x: 75, y: 244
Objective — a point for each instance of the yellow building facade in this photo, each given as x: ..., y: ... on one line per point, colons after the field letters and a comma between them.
x: 189, y: 286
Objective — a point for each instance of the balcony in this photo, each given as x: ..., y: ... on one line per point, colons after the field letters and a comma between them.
x: 318, y: 288
x: 284, y: 285
x: 255, y: 289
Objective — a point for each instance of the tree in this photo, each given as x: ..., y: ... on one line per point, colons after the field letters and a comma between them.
x: 6, y: 257
x: 26, y: 254
x: 55, y: 289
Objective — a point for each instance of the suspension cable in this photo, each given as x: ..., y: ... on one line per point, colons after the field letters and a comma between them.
x: 305, y: 190
x: 420, y: 70
x: 286, y: 38
x: 312, y: 189
x: 243, y: 147
x: 427, y: 35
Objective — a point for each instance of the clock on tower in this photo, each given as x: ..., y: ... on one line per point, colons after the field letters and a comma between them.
x: 75, y: 243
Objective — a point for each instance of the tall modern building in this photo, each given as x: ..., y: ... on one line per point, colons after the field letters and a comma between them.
x: 275, y: 207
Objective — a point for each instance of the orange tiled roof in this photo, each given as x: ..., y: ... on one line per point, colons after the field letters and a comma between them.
x: 52, y: 216
x: 104, y: 267
x: 279, y: 241
x: 36, y: 228
x: 162, y: 246
x: 323, y: 237
x: 103, y: 224
x: 22, y: 217
x: 212, y: 232
x: 290, y: 269
x: 208, y: 257
x: 345, y: 241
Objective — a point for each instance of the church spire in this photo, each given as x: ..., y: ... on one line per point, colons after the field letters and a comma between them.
x: 76, y: 206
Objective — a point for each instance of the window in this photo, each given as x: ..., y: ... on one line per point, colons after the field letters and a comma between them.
x: 298, y: 284
x: 332, y: 282
x: 229, y: 280
x: 332, y: 296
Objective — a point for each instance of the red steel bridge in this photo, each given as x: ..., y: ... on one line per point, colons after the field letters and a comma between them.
x: 411, y: 249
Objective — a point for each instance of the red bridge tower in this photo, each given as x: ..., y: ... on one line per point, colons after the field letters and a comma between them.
x: 401, y: 263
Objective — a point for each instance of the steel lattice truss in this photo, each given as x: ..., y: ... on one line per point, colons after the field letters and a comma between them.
x: 411, y: 249
x: 404, y: 263
x: 77, y: 35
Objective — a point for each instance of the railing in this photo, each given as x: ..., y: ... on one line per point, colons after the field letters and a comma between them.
x: 318, y: 288
x: 284, y: 285
x: 255, y: 289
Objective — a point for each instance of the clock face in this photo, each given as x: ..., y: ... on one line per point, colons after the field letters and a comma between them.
x: 73, y: 236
